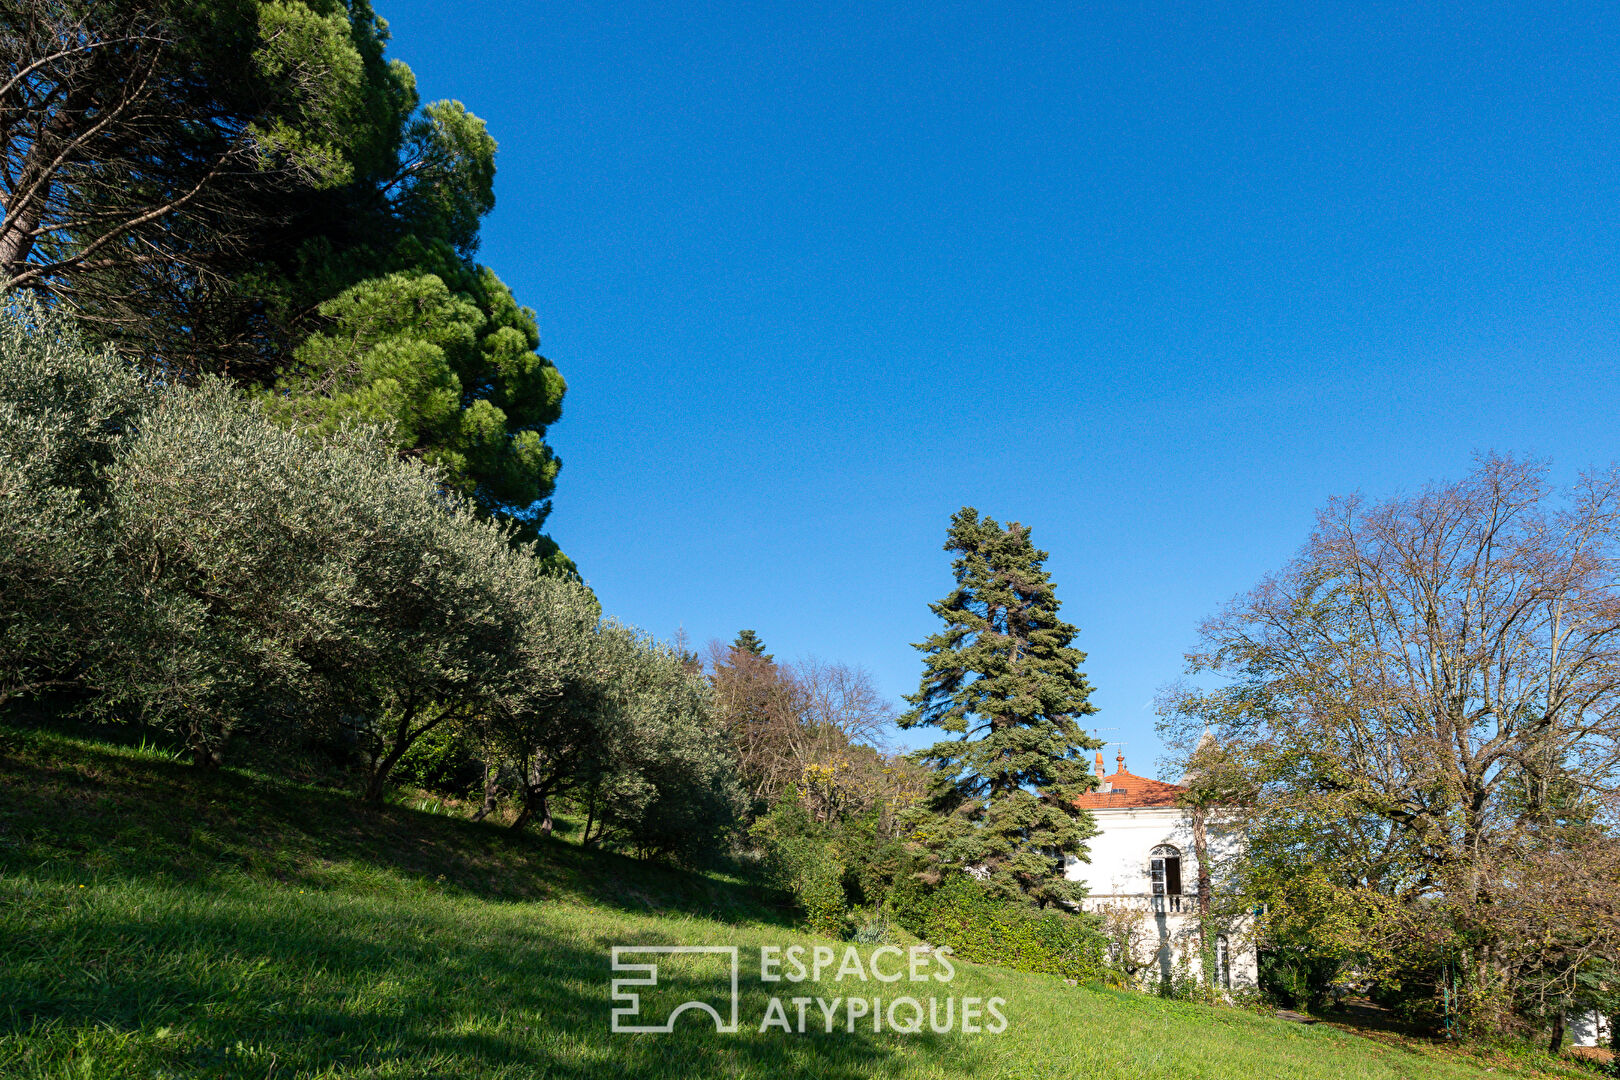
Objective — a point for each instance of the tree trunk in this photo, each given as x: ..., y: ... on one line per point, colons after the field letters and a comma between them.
x: 379, y: 771
x: 492, y: 790
x: 17, y: 233
x: 533, y: 796
x: 34, y: 182
x: 402, y: 741
x: 590, y: 817
x: 1557, y: 1042
x: 1201, y: 853
x: 16, y: 244
x: 204, y: 755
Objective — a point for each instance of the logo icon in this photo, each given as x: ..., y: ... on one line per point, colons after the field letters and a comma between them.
x: 631, y: 1008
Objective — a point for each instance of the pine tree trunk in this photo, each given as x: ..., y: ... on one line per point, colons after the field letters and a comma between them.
x: 16, y: 244
x: 1557, y: 1042
x: 16, y: 234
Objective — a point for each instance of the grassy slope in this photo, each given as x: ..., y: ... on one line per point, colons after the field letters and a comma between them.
x: 155, y: 923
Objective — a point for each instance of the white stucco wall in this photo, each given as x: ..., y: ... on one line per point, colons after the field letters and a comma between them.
x: 1118, y: 874
x: 1589, y: 1029
x: 1120, y: 852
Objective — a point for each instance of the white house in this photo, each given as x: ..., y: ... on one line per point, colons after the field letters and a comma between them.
x: 1143, y: 877
x: 1590, y: 1029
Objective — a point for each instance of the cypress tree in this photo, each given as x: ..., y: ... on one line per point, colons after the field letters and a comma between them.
x: 1004, y: 678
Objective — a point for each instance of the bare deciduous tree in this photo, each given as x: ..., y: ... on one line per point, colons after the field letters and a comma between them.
x: 1434, y: 685
x: 795, y: 724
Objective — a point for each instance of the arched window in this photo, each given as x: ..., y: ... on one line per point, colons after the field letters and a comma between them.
x: 1164, y: 866
x: 1223, y: 962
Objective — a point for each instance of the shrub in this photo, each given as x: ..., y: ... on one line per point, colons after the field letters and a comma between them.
x: 1295, y: 979
x: 873, y: 860
x: 801, y: 856
x: 873, y: 930
x: 64, y: 412
x: 978, y: 927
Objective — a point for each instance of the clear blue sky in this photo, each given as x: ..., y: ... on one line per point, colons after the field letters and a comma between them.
x: 1154, y: 281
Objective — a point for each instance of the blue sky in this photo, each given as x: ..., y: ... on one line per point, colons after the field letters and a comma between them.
x: 1153, y: 279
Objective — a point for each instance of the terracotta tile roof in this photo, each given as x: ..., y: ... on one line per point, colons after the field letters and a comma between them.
x: 1129, y: 790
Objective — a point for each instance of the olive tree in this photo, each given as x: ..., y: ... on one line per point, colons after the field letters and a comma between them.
x: 667, y: 784
x: 64, y: 411
x: 279, y: 579
x: 548, y: 733
x: 227, y: 536
x: 625, y: 730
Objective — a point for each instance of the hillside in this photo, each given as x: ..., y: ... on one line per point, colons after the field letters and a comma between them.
x: 154, y: 923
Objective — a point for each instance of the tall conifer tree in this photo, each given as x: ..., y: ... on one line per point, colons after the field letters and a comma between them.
x: 1004, y: 678
x: 749, y: 642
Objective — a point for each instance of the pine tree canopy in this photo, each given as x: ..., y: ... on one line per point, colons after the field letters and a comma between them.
x: 749, y: 642
x: 1004, y: 678
x: 253, y: 189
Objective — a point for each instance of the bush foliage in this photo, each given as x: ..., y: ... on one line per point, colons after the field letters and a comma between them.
x: 174, y: 557
x: 979, y: 927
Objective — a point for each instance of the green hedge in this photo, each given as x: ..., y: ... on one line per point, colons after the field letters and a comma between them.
x: 985, y: 930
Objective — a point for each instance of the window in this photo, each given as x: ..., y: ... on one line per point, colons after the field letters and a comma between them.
x: 1165, y: 869
x: 1223, y: 962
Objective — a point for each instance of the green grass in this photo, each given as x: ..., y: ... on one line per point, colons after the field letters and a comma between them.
x: 158, y: 923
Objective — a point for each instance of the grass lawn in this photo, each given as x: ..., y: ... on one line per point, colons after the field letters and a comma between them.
x: 156, y: 923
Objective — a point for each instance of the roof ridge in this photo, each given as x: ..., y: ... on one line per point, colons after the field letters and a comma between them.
x: 1126, y: 789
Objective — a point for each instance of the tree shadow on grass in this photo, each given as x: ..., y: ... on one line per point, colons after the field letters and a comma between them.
x: 193, y: 932
x: 328, y: 988
x: 68, y: 808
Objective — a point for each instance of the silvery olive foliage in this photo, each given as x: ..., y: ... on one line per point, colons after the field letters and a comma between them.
x: 172, y: 554
x: 64, y: 411
x: 629, y: 735
x: 669, y: 783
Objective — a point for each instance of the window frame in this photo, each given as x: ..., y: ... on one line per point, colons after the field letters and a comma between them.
x: 1159, y: 870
